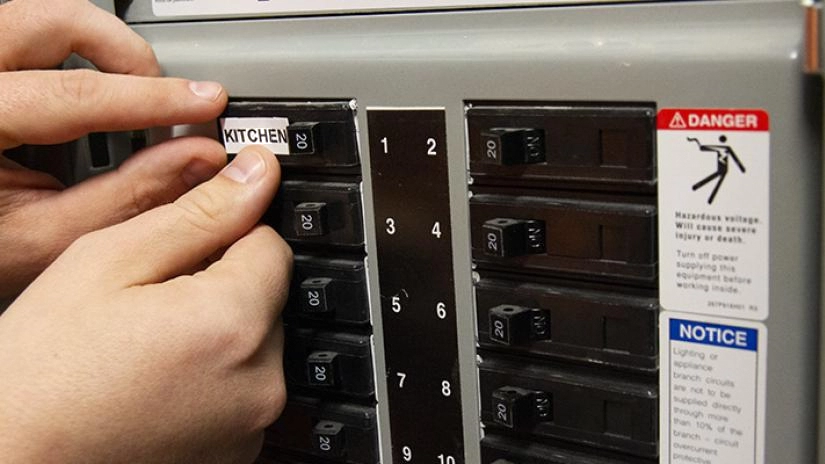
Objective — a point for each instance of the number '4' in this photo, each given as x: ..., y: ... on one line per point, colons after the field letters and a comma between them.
x: 436, y: 231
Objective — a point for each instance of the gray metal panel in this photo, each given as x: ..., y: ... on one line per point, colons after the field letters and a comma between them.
x: 139, y: 11
x: 704, y: 54
x: 108, y: 5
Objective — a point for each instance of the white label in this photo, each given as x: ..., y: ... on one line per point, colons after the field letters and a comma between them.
x: 238, y: 133
x: 713, y: 177
x: 712, y: 390
x: 229, y: 7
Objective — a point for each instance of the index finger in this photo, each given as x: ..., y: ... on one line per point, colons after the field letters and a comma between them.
x: 41, y: 34
x: 48, y: 107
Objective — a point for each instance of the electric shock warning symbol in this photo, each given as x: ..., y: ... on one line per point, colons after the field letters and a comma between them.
x: 724, y: 153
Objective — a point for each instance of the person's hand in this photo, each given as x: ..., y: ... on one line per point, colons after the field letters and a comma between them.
x: 120, y: 353
x: 38, y: 217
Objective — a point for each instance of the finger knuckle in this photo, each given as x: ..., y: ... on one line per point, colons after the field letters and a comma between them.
x: 286, y: 261
x: 92, y: 250
x: 282, y: 255
x: 235, y: 334
x: 198, y: 210
x: 148, y: 59
x: 272, y: 400
x: 284, y: 250
x: 79, y: 86
x: 84, y: 244
x: 229, y: 335
x: 143, y: 196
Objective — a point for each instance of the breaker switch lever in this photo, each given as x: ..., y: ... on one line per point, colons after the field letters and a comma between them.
x: 322, y: 368
x: 304, y: 138
x: 329, y: 438
x: 311, y: 219
x: 506, y: 237
x: 513, y: 325
x: 511, y: 146
x: 519, y: 408
x: 318, y: 295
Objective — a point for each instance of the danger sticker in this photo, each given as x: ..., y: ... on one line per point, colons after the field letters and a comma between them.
x: 712, y: 119
x: 714, y: 171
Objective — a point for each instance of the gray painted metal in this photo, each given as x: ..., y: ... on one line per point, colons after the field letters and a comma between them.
x: 738, y: 54
x: 141, y: 10
x: 108, y: 5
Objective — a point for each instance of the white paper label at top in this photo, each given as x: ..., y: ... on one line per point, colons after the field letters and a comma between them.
x: 237, y: 133
x: 713, y: 177
x: 163, y: 8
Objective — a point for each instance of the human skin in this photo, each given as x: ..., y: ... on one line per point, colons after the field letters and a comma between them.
x: 39, y: 217
x: 146, y: 342
x: 149, y: 328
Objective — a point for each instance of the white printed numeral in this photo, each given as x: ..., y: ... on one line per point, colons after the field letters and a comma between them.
x: 431, y: 145
x: 436, y: 230
x: 306, y: 222
x: 492, y: 150
x: 301, y: 141
x: 498, y: 329
x: 314, y: 298
x: 441, y: 310
x: 446, y: 388
x: 442, y: 459
x: 501, y: 412
x: 324, y: 443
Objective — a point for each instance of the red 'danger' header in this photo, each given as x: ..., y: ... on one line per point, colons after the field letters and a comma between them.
x: 712, y: 119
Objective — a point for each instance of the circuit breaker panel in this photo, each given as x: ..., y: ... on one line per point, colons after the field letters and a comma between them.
x: 476, y: 194
x: 565, y: 272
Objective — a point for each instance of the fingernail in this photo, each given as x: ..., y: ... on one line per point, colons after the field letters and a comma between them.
x: 197, y: 172
x: 206, y: 90
x: 246, y: 168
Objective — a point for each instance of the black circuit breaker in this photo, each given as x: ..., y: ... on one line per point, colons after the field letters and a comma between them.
x: 563, y: 224
x: 330, y: 415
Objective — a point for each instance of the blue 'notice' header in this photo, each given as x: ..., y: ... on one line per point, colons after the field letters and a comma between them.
x: 726, y: 336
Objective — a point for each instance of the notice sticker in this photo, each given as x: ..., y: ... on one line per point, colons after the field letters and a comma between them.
x: 712, y: 390
x: 237, y: 133
x: 713, y: 174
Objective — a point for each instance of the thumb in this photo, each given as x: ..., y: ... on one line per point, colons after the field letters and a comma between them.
x: 174, y: 238
x: 40, y: 229
x: 154, y: 176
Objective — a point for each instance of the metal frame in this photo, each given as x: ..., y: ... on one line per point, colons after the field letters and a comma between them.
x: 736, y: 54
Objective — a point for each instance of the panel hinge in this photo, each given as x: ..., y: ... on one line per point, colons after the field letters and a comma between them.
x: 812, y: 60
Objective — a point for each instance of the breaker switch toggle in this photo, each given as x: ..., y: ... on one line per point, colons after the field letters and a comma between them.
x: 318, y: 295
x: 329, y: 438
x: 322, y: 368
x: 511, y: 146
x: 304, y: 138
x: 505, y: 237
x: 517, y: 326
x: 311, y: 219
x: 518, y: 408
